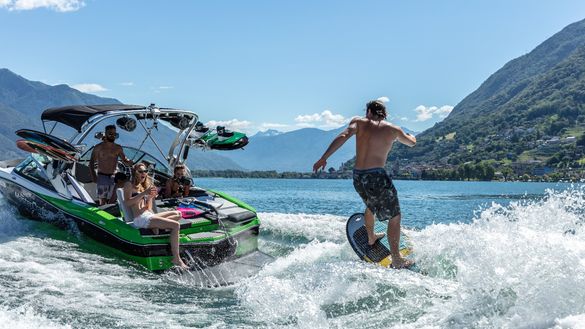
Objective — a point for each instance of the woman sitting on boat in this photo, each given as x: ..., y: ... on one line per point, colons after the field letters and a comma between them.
x: 139, y: 194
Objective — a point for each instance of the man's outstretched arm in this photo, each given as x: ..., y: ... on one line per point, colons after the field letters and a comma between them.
x: 405, y: 138
x: 337, y: 142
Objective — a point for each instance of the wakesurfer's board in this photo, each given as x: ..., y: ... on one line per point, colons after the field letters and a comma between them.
x: 379, y: 252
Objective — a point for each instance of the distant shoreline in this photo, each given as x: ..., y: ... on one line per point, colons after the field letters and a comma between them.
x: 270, y: 174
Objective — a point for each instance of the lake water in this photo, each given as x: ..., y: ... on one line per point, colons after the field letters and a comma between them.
x: 496, y: 255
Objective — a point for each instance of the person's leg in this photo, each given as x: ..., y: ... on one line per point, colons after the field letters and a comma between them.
x: 369, y: 223
x: 394, y: 240
x: 170, y: 214
x: 165, y: 223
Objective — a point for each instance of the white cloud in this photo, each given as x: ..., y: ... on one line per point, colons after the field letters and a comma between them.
x: 56, y: 5
x: 308, y: 118
x: 425, y: 113
x: 165, y: 87
x: 383, y: 99
x: 127, y: 84
x: 89, y: 87
x: 269, y: 125
x: 324, y: 119
x: 233, y: 124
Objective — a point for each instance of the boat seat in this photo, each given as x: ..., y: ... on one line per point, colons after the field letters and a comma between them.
x: 237, y: 215
x: 126, y: 212
x: 233, y: 212
x: 185, y: 224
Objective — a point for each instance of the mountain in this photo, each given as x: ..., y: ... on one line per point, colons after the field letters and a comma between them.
x: 22, y: 101
x: 267, y: 133
x: 292, y: 151
x: 528, y: 114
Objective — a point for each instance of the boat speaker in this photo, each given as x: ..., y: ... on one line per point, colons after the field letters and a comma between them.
x: 126, y: 123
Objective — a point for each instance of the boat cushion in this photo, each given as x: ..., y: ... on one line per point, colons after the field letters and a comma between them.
x: 185, y: 224
x: 126, y: 212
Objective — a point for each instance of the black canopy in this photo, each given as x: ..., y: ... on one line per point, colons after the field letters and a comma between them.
x: 75, y: 116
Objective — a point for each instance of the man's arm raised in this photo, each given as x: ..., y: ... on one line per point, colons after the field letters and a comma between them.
x: 336, y: 144
x: 405, y: 138
x: 122, y: 156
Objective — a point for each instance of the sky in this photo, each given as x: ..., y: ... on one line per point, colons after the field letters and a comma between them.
x: 284, y: 65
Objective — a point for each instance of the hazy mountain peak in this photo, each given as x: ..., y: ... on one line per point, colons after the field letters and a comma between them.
x: 267, y: 133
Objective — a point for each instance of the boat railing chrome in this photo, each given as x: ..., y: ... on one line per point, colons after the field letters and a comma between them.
x: 152, y: 113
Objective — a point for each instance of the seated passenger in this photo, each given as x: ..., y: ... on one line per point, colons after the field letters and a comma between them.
x: 178, y: 185
x: 139, y: 194
x: 120, y: 179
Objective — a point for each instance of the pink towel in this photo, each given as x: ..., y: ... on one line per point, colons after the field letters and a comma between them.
x: 189, y: 212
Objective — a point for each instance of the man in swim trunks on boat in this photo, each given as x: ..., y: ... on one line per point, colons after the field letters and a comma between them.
x: 106, y: 155
x: 374, y: 139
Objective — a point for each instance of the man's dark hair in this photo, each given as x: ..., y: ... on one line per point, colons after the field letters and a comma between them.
x: 377, y: 108
x: 119, y: 177
x: 109, y: 127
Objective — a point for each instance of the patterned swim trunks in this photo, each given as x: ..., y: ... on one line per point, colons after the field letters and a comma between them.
x: 377, y: 191
x: 105, y: 186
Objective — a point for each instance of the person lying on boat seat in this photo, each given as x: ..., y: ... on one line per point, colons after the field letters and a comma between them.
x: 139, y: 194
x: 106, y: 155
x: 178, y: 185
x: 120, y: 180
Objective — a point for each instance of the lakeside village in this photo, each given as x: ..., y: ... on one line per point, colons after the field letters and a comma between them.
x: 551, y: 159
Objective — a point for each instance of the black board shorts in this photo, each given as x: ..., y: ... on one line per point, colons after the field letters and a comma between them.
x: 376, y: 189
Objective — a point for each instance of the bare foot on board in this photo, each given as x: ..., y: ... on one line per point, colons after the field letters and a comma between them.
x: 377, y: 236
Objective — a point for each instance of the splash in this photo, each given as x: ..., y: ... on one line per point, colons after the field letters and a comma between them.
x: 520, y: 265
x: 25, y: 318
x: 515, y: 266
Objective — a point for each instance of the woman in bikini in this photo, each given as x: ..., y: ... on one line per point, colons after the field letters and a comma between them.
x: 139, y: 194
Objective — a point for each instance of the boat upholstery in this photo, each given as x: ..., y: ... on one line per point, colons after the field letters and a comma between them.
x: 125, y: 210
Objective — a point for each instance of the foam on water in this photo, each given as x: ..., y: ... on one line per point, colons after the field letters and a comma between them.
x: 515, y: 266
x: 24, y: 318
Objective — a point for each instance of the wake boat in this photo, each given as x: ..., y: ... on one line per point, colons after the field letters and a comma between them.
x: 54, y: 184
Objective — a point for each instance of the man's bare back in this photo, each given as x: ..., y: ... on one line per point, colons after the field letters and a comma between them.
x: 374, y: 140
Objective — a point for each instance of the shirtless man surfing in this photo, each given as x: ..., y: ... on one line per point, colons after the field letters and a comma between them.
x: 106, y: 155
x: 374, y: 139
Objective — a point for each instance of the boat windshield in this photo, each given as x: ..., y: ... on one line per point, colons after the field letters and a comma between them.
x: 136, y: 156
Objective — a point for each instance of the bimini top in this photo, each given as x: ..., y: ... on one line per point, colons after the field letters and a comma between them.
x: 76, y: 115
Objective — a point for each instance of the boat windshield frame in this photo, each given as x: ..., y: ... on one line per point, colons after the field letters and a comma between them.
x: 176, y: 148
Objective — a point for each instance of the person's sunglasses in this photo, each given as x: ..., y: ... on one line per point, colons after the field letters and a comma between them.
x: 141, y: 171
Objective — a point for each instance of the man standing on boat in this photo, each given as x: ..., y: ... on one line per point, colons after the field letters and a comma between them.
x: 106, y: 155
x: 374, y: 139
